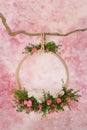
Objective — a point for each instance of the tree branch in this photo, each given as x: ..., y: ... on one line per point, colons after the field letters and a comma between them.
x: 11, y: 33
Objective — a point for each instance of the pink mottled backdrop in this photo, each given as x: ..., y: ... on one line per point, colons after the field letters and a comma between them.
x: 48, y: 16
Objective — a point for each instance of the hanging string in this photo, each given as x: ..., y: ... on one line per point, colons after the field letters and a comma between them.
x: 43, y: 39
x: 11, y: 33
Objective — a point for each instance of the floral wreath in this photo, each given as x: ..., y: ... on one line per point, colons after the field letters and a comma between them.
x: 48, y: 103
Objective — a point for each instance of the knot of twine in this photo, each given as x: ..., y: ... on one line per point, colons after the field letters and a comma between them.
x: 43, y: 40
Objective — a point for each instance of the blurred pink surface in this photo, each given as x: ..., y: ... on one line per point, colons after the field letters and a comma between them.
x: 43, y: 16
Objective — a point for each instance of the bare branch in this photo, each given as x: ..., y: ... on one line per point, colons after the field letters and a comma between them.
x: 11, y: 33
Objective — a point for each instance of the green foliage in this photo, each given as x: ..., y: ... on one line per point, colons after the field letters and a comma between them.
x: 29, y: 47
x: 34, y: 103
x: 21, y: 95
x: 50, y: 46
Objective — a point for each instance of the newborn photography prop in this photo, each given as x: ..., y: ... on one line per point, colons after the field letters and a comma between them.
x: 48, y: 103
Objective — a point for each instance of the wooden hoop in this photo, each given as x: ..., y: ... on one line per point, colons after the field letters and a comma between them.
x: 29, y: 54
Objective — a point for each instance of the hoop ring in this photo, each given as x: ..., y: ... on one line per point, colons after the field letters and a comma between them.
x: 29, y: 54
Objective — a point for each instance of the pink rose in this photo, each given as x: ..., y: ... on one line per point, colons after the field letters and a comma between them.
x: 40, y: 106
x: 49, y: 102
x: 58, y: 100
x: 68, y: 99
x: 34, y: 50
x: 29, y: 103
x: 25, y: 102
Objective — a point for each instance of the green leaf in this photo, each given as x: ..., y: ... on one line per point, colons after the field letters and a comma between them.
x: 21, y: 94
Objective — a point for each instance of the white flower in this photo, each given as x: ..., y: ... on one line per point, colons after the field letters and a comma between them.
x: 61, y: 92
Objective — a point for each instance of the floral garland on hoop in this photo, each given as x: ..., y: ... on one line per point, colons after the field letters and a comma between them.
x: 50, y: 46
x: 48, y: 104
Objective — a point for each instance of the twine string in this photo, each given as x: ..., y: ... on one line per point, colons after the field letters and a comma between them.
x: 43, y: 40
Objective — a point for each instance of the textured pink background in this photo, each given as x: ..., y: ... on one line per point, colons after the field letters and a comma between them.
x: 49, y: 16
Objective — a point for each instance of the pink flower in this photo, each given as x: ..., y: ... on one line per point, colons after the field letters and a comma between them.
x: 68, y: 99
x: 40, y: 106
x: 25, y: 102
x: 49, y: 102
x: 58, y: 100
x: 29, y: 103
x: 34, y: 50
